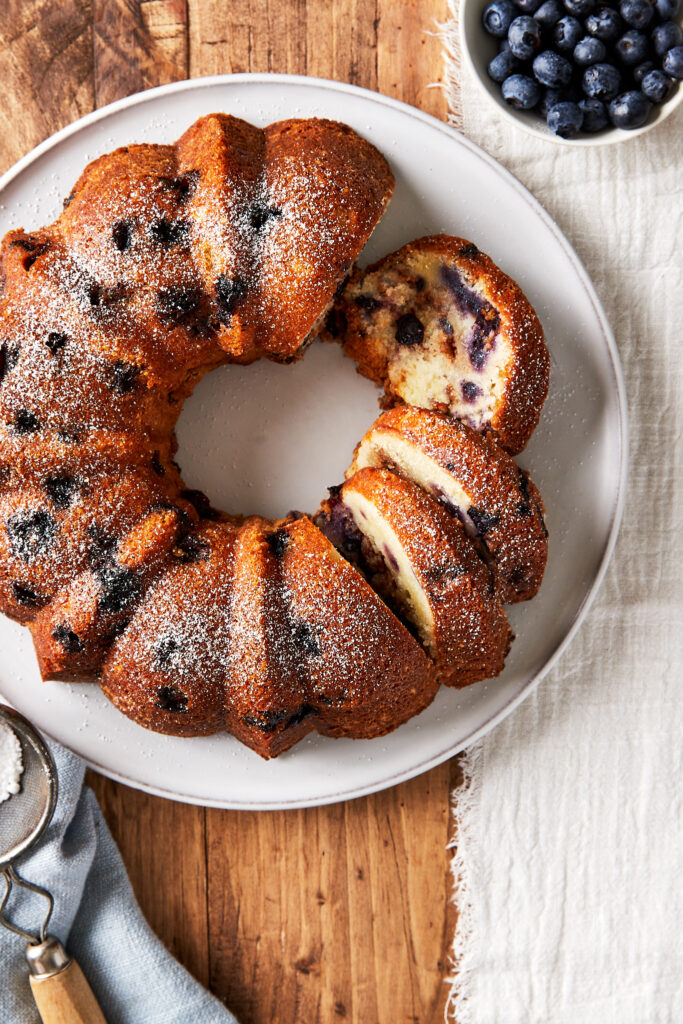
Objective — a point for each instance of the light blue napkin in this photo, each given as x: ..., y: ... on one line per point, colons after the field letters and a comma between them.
x: 97, y: 918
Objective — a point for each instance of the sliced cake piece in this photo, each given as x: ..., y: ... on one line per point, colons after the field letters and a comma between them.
x: 421, y: 561
x: 365, y: 674
x: 475, y: 480
x: 439, y: 326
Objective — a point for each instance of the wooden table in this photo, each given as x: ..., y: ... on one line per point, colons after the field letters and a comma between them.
x: 300, y: 917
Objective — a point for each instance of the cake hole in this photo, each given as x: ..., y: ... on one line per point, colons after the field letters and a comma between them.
x: 265, y: 439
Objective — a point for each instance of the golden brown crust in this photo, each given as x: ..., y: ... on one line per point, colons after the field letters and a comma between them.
x: 504, y: 507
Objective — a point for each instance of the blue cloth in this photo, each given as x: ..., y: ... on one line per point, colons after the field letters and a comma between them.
x: 97, y: 918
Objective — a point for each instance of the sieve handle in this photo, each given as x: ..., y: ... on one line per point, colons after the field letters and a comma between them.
x: 60, y: 990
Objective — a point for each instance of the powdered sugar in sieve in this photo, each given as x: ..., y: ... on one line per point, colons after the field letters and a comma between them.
x: 11, y: 762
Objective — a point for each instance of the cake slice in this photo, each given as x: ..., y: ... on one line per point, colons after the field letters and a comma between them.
x: 475, y: 480
x: 420, y: 560
x: 364, y: 673
x: 439, y: 326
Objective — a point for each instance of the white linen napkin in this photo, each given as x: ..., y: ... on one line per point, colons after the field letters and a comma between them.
x: 568, y: 849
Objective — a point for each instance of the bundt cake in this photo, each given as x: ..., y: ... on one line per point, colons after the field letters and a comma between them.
x: 231, y: 245
x: 419, y: 558
x: 475, y: 480
x: 439, y: 326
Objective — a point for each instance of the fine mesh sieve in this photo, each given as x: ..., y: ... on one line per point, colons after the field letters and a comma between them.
x: 59, y: 987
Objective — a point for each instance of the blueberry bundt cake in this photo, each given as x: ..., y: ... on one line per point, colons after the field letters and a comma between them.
x: 232, y: 245
x: 475, y: 480
x: 439, y: 326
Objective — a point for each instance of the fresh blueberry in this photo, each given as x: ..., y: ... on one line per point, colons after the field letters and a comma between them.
x: 548, y: 100
x: 589, y: 51
x: 552, y: 70
x: 656, y: 86
x: 565, y: 119
x: 579, y: 8
x: 632, y: 48
x: 498, y: 17
x: 667, y: 9
x: 601, y: 81
x: 640, y: 72
x: 665, y: 37
x: 567, y: 33
x: 673, y: 62
x: 528, y: 6
x: 637, y: 13
x: 524, y: 37
x: 595, y: 116
x: 503, y: 65
x: 549, y: 13
x: 521, y: 92
x: 629, y: 110
x: 604, y: 24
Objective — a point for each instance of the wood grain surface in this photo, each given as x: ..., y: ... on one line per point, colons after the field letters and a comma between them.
x: 330, y: 914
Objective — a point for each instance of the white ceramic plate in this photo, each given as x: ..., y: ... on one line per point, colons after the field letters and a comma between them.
x: 268, y: 438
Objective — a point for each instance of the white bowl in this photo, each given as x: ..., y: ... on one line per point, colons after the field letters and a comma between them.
x: 478, y: 48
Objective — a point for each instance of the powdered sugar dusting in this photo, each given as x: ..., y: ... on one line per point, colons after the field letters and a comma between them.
x: 11, y: 762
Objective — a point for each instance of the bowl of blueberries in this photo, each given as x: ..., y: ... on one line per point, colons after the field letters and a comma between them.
x: 583, y: 72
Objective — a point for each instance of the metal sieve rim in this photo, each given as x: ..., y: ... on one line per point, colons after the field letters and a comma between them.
x: 25, y: 730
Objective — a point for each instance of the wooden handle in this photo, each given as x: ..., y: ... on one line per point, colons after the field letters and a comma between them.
x: 66, y: 998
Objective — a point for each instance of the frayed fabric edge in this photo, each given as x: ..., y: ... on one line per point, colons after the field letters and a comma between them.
x: 449, y: 33
x: 465, y: 948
